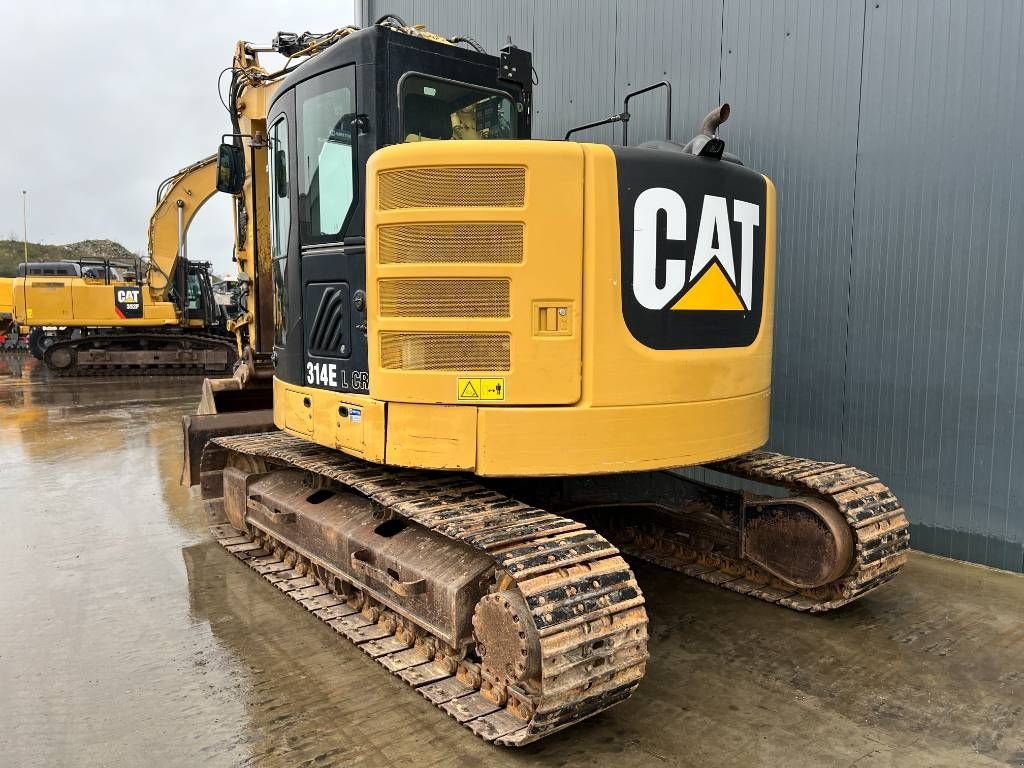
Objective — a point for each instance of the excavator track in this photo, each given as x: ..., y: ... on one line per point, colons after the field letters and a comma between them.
x: 132, y: 354
x: 581, y: 600
x: 876, y: 520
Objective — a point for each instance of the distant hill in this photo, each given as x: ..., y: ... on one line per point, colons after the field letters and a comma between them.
x: 12, y: 253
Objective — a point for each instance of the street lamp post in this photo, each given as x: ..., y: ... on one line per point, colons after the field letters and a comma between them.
x: 24, y: 233
x: 24, y: 223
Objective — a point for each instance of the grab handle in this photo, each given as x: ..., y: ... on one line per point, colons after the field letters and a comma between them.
x: 362, y: 562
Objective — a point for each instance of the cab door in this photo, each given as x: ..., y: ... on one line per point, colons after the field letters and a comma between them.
x: 333, y: 262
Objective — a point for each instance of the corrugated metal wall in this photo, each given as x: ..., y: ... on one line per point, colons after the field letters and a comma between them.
x: 892, y: 129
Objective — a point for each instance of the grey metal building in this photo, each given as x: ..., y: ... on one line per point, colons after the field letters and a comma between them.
x: 892, y: 130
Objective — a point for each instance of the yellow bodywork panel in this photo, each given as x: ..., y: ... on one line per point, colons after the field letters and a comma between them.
x: 44, y: 300
x: 6, y: 298
x: 497, y: 339
x: 620, y: 371
x: 441, y: 436
x: 503, y: 231
x: 297, y: 410
x: 80, y: 302
x: 585, y: 440
x: 351, y: 423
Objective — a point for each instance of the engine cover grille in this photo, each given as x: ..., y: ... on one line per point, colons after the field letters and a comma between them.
x: 466, y: 243
x: 452, y: 186
x: 438, y: 297
x: 423, y: 351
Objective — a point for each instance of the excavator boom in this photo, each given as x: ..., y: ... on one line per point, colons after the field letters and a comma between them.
x: 179, y: 199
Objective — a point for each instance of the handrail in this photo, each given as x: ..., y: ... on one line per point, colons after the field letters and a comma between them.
x: 624, y: 116
x: 668, y: 109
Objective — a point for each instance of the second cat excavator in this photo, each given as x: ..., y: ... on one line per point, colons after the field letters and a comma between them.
x: 491, y: 356
x: 165, y: 320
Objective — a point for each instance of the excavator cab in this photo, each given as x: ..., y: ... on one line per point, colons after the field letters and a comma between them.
x: 376, y: 87
x: 199, y: 305
x: 372, y: 88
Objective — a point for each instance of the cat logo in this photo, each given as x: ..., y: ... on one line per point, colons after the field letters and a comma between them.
x: 714, y: 279
x: 128, y: 302
x: 693, y: 235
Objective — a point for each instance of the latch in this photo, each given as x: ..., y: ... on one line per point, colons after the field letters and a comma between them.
x: 552, y: 318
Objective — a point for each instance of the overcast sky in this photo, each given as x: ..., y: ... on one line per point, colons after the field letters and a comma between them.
x: 104, y: 99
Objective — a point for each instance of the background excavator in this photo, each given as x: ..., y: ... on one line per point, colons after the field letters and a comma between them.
x: 39, y: 338
x: 491, y: 357
x: 164, y: 320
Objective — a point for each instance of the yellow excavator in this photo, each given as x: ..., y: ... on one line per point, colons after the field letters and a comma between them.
x: 491, y: 355
x: 163, y: 320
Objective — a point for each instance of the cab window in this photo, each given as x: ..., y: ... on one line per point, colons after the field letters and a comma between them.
x: 194, y: 292
x: 436, y: 110
x: 280, y: 223
x: 327, y: 183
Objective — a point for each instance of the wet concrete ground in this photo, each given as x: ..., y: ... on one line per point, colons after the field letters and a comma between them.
x: 127, y: 637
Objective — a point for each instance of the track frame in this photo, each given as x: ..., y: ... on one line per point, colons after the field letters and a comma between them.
x: 582, y: 599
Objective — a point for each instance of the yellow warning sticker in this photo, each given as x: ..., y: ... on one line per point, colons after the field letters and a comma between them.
x: 480, y: 389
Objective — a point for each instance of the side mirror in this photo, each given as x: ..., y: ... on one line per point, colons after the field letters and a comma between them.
x: 230, y: 169
x: 281, y: 172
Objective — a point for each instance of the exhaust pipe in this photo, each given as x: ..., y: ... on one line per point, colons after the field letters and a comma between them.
x: 706, y: 143
x: 709, y: 125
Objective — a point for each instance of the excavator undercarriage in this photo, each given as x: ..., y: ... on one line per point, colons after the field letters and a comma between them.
x: 514, y: 619
x: 113, y: 353
x: 822, y: 535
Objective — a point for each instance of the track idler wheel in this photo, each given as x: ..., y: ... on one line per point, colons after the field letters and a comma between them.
x: 802, y: 540
x: 60, y: 359
x: 38, y: 342
x: 507, y: 641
